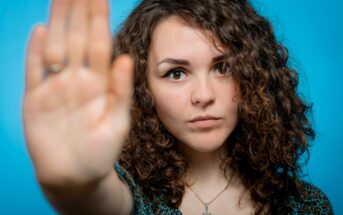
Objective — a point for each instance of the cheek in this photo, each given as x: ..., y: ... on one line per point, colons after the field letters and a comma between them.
x: 229, y: 102
x: 169, y: 107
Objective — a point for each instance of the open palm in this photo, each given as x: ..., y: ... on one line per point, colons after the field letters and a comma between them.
x: 76, y: 120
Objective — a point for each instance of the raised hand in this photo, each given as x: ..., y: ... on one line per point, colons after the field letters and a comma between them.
x: 76, y: 105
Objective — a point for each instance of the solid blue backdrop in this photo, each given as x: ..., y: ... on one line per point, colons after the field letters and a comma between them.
x: 312, y: 31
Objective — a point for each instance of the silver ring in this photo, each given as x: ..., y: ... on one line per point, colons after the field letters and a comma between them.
x: 54, y: 68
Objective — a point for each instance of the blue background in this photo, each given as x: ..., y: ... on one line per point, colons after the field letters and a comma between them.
x: 311, y: 29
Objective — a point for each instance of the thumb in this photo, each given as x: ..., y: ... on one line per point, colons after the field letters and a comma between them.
x: 122, y: 79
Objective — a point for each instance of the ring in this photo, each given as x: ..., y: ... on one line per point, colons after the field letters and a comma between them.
x: 54, y: 68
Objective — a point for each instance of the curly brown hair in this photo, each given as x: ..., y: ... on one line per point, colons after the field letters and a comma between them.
x: 273, y: 130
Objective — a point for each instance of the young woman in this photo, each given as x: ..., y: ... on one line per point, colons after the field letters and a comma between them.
x: 215, y: 125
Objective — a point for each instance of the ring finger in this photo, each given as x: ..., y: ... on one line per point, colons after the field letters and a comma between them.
x: 55, y: 43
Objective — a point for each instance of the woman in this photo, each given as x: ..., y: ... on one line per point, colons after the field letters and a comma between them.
x: 215, y: 125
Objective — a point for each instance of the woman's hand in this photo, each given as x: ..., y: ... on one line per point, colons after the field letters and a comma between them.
x: 77, y: 103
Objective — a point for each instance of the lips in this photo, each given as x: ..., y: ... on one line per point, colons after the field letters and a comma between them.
x: 205, y: 122
x: 204, y: 118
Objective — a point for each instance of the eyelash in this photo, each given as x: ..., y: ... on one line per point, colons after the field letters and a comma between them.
x: 221, y: 65
x: 224, y: 66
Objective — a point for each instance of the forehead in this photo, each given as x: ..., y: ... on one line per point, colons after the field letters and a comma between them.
x: 174, y: 37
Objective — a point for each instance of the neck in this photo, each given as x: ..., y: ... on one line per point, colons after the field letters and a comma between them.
x: 205, y: 167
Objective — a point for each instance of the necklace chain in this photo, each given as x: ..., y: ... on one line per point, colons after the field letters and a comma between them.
x: 208, y: 203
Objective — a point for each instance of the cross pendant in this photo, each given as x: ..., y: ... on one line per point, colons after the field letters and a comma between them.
x: 206, y: 212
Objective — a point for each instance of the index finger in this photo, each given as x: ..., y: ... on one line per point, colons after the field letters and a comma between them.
x: 100, y: 36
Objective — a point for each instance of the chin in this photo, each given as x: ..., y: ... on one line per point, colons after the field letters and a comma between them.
x: 204, y: 144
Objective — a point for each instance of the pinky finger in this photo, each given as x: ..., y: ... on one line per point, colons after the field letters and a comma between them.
x: 34, y: 59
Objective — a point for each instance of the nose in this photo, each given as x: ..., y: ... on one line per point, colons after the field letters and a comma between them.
x: 203, y: 93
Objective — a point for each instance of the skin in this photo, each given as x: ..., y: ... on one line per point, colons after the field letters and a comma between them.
x: 200, y: 88
x: 74, y: 133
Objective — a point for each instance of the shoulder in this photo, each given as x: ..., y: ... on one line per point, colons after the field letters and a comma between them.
x: 141, y: 205
x: 311, y: 200
x: 144, y: 204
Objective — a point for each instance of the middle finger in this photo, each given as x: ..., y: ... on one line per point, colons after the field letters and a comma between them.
x: 78, y: 33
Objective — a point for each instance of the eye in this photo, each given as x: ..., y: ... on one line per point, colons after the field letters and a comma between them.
x: 175, y: 74
x: 222, y: 68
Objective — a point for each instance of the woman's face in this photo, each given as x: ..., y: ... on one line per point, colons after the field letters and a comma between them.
x: 195, y: 98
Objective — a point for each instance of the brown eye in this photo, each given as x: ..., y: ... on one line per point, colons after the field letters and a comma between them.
x: 222, y: 68
x: 175, y: 74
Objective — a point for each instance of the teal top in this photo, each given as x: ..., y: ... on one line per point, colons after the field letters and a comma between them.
x: 313, y: 201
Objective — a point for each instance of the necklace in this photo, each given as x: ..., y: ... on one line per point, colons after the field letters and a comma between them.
x: 206, y: 204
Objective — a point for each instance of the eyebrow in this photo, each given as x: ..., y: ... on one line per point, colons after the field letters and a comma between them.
x: 185, y: 62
